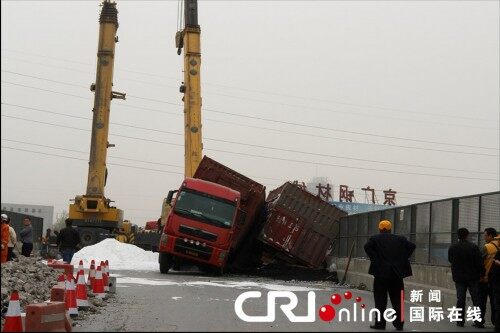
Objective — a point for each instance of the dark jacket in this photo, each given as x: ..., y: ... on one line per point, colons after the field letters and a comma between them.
x: 27, y: 234
x: 389, y: 255
x: 466, y: 261
x: 68, y: 238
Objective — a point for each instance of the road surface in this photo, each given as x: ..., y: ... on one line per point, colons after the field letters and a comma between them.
x: 190, y: 301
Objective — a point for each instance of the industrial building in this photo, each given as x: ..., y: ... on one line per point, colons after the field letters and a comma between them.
x: 45, y: 212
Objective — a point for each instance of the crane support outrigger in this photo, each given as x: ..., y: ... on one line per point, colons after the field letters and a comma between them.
x: 92, y: 212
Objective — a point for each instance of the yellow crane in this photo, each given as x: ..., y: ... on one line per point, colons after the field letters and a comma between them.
x: 92, y: 212
x: 189, y: 39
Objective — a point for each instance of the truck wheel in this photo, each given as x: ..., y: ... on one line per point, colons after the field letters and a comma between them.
x: 165, y: 260
x: 87, y: 237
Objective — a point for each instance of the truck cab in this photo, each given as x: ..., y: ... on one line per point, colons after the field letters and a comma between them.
x: 200, y: 226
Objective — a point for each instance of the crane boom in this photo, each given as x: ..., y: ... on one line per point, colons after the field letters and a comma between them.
x: 189, y: 39
x: 102, y: 99
x: 192, y: 88
x: 92, y: 212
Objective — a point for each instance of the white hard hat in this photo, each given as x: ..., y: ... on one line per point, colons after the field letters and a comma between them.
x: 5, y: 217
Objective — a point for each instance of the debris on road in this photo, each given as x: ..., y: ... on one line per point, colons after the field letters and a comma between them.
x: 31, y: 277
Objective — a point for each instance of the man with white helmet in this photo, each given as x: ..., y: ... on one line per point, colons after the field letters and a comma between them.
x: 12, y: 239
x: 5, y: 240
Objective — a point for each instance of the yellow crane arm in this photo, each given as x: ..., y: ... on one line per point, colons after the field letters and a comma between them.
x: 93, y: 210
x: 192, y: 89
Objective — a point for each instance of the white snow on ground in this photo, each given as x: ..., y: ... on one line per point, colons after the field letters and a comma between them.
x: 222, y: 284
x: 121, y: 256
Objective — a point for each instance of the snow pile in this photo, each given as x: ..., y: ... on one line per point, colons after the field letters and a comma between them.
x: 121, y: 256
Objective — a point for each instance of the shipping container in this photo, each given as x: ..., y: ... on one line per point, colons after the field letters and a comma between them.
x: 253, y: 196
x: 299, y: 227
x: 151, y: 225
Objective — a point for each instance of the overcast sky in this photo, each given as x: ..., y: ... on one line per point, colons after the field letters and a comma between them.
x: 396, y: 94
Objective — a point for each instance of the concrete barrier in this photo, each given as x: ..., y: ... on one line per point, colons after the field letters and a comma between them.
x: 57, y: 294
x: 47, y: 317
x: 66, y: 268
x: 112, y: 284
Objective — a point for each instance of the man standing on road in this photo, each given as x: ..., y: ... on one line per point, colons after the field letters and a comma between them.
x: 466, y: 269
x: 12, y: 239
x: 68, y: 240
x: 27, y: 237
x: 488, y: 253
x: 389, y: 264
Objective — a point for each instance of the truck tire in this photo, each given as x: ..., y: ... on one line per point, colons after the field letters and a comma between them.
x: 165, y: 260
x: 87, y: 236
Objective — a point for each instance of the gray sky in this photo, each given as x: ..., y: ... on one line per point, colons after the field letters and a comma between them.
x: 415, y: 71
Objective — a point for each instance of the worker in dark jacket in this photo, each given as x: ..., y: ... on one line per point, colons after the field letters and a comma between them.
x: 27, y: 237
x: 466, y: 269
x: 68, y: 241
x: 389, y: 264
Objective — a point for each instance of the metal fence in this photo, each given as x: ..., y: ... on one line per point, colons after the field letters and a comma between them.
x: 432, y: 226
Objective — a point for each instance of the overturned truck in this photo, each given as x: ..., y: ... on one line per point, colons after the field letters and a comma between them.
x: 299, y: 228
x: 222, y: 220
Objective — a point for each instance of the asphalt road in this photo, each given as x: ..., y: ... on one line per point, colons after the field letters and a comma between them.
x: 184, y: 301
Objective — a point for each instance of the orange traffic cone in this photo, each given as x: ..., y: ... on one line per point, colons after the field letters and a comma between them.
x: 98, y: 289
x: 90, y: 279
x: 80, y: 267
x: 13, y: 321
x: 81, y: 291
x: 70, y: 297
x: 61, y: 278
x: 105, y: 279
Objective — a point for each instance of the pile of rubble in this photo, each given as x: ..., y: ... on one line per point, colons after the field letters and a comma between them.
x: 31, y: 277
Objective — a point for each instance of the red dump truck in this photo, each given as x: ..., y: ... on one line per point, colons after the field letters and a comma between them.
x: 299, y: 227
x: 210, y: 217
x: 253, y: 197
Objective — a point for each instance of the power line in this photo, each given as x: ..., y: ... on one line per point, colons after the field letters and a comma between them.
x: 348, y: 166
x: 278, y: 179
x: 331, y: 137
x: 266, y: 92
x: 266, y: 157
x: 86, y: 72
x: 294, y: 124
x: 86, y: 152
x: 42, y: 89
x: 348, y: 132
x: 257, y: 146
x: 384, y: 144
x: 280, y: 130
x: 86, y: 160
x: 252, y: 99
